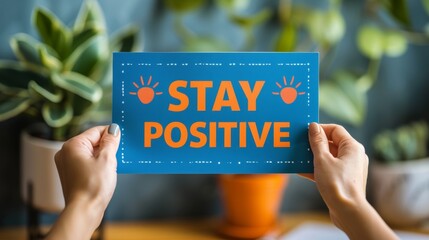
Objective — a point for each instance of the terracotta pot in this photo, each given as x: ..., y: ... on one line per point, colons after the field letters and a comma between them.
x: 38, y: 169
x: 251, y: 204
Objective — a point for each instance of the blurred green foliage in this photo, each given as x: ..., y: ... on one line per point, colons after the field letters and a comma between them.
x: 343, y: 93
x: 62, y: 78
x: 407, y: 142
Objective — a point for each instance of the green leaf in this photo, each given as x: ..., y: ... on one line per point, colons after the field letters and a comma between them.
x: 15, y: 75
x: 125, y: 41
x: 103, y: 111
x: 12, y: 107
x: 422, y: 136
x: 8, y: 92
x: 79, y: 85
x: 48, y: 60
x: 426, y: 5
x: 90, y: 15
x: 287, y: 39
x: 398, y: 9
x: 25, y: 48
x: 54, y: 97
x: 34, y: 53
x: 385, y: 147
x: 335, y: 26
x: 53, y: 32
x: 407, y: 142
x: 371, y: 41
x: 183, y: 5
x: 342, y: 99
x: 233, y: 5
x: 84, y: 59
x: 82, y: 106
x: 395, y: 43
x: 57, y: 114
x: 365, y: 82
x: 249, y: 21
x: 205, y: 44
x: 84, y: 35
x: 326, y: 27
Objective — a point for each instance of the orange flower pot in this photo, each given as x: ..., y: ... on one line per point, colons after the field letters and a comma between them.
x: 251, y: 204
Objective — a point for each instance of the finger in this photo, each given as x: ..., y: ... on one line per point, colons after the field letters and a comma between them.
x: 85, y: 142
x: 92, y: 135
x: 336, y: 133
x: 333, y: 149
x: 109, y: 142
x: 309, y: 176
x: 341, y: 140
x: 318, y: 140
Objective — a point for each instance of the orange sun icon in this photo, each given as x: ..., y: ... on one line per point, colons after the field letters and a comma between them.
x: 145, y: 94
x: 288, y: 94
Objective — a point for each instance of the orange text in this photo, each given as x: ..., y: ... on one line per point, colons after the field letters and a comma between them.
x: 202, y: 134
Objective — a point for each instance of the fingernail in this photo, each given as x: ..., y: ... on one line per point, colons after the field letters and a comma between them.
x: 314, y: 128
x: 113, y: 129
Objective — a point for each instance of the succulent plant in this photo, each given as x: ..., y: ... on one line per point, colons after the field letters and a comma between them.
x: 407, y: 142
x: 62, y: 79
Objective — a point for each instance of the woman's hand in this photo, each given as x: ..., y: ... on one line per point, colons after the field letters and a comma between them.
x: 340, y: 173
x: 87, y: 168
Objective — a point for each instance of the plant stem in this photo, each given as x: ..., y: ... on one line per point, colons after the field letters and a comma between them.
x: 373, y: 69
x: 59, y: 133
x: 366, y: 81
x: 418, y: 38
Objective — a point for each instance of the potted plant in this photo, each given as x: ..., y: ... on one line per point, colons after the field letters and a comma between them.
x: 251, y: 204
x: 400, y: 176
x: 63, y: 82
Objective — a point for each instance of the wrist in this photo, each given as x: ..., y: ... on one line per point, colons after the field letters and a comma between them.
x: 359, y: 220
x: 344, y: 208
x: 90, y: 209
x: 78, y: 220
x: 347, y: 206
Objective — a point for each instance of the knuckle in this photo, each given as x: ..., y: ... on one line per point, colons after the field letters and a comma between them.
x: 340, y: 127
x: 57, y: 156
x: 320, y: 140
x: 107, y: 141
x: 361, y: 147
x: 66, y: 145
x: 348, y: 142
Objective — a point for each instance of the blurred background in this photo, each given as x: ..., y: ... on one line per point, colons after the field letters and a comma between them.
x: 374, y: 76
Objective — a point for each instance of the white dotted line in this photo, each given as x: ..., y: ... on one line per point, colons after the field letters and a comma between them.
x: 123, y: 116
x: 308, y: 95
x: 217, y: 64
x: 293, y: 64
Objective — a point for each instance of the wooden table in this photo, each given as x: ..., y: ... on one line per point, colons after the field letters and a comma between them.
x: 180, y: 229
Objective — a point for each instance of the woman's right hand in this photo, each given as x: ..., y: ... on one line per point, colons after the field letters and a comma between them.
x: 340, y: 173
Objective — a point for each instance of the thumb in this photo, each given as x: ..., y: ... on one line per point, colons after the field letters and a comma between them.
x: 109, y: 142
x: 318, y: 140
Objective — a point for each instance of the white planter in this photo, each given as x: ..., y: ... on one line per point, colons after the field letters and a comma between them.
x: 38, y: 167
x: 401, y: 192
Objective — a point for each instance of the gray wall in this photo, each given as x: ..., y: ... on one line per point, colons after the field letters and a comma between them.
x: 399, y: 96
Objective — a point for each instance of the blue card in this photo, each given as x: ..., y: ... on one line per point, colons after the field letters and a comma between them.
x: 215, y: 112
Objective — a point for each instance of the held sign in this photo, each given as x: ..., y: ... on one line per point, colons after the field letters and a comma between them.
x: 215, y: 112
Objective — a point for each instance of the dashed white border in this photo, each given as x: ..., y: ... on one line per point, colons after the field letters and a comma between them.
x: 233, y: 64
